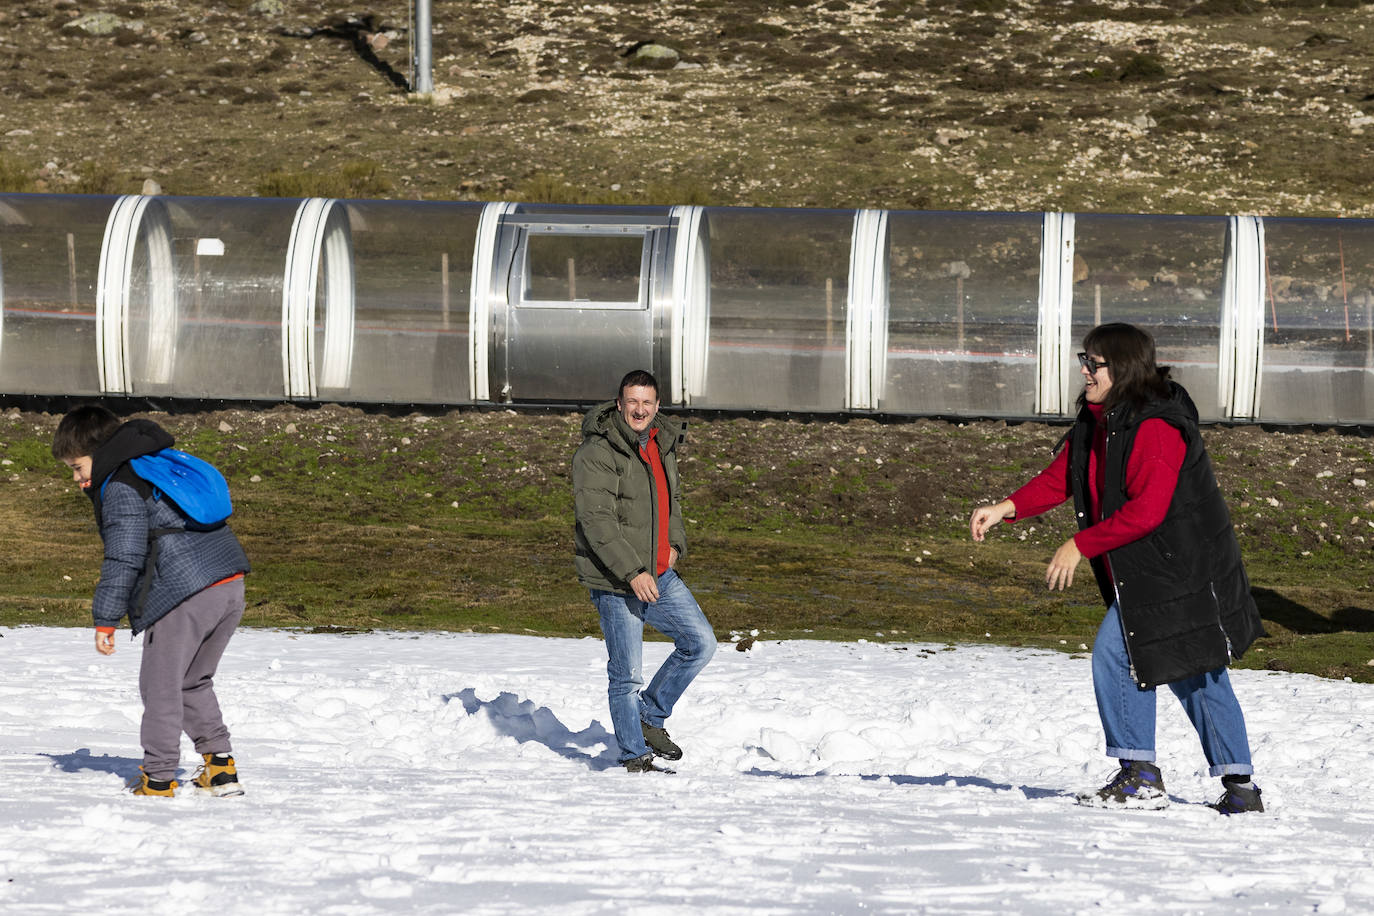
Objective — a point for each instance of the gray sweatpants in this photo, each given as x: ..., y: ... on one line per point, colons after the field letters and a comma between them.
x: 176, y: 679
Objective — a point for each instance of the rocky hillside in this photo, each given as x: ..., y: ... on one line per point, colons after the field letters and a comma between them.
x: 1218, y: 106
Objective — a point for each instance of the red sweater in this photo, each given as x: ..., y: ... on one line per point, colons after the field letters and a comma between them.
x: 662, y: 507
x: 1151, y: 476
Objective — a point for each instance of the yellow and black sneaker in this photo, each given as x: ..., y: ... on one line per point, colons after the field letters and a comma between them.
x: 218, y: 776
x: 145, y: 786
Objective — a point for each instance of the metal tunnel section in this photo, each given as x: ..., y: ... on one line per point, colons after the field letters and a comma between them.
x: 571, y: 302
x: 833, y: 311
x: 318, y: 301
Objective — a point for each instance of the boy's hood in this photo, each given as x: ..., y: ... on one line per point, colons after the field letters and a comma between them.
x: 135, y: 438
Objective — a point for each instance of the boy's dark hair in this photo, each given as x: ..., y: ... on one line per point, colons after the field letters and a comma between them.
x: 1129, y: 353
x: 82, y: 431
x: 634, y: 379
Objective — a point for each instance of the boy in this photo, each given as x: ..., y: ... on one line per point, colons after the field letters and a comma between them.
x: 180, y: 585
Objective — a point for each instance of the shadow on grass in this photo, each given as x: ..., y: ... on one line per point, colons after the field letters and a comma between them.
x: 523, y: 721
x: 1299, y: 618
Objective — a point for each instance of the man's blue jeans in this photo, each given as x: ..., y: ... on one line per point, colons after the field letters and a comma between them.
x: 676, y: 615
x: 1128, y: 713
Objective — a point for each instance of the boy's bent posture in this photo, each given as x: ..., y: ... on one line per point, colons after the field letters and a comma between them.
x: 179, y: 584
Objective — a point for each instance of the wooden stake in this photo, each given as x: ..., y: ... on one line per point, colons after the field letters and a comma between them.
x: 959, y: 303
x: 1340, y: 243
x: 443, y: 269
x: 829, y: 311
x: 71, y: 265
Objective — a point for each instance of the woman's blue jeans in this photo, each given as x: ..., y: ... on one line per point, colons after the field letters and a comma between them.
x: 1128, y: 713
x: 676, y: 615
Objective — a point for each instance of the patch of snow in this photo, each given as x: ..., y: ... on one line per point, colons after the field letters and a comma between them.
x: 403, y: 773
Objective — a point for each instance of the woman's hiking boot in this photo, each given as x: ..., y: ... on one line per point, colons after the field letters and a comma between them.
x: 657, y: 738
x: 165, y: 788
x: 1240, y: 796
x: 1137, y: 784
x: 218, y: 776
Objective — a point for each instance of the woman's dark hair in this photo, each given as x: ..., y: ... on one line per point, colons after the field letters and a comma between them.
x: 1129, y: 353
x: 82, y: 431
x: 636, y: 378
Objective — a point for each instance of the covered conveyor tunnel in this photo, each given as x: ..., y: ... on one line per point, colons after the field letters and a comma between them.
x: 898, y: 312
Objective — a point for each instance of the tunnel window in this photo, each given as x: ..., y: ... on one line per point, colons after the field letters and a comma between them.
x: 577, y: 270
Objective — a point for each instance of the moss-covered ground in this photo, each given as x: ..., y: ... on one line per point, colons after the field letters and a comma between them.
x: 798, y: 527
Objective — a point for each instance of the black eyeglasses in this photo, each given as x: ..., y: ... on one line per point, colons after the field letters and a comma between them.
x: 1090, y: 364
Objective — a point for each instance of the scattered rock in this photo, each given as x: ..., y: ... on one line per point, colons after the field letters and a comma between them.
x: 225, y: 427
x: 102, y: 24
x: 1317, y: 39
x: 537, y: 96
x: 151, y: 188
x: 267, y: 8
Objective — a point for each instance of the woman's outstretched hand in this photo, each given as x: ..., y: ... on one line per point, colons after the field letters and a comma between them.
x: 984, y: 517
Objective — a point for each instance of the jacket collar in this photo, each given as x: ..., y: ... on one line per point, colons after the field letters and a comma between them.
x: 605, y: 420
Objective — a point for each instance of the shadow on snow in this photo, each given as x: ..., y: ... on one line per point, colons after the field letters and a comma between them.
x: 523, y: 721
x: 81, y: 759
x: 962, y: 782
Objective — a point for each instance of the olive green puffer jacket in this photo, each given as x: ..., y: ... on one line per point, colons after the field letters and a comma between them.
x: 613, y: 500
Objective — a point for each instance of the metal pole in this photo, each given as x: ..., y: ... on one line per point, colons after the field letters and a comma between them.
x: 422, y: 79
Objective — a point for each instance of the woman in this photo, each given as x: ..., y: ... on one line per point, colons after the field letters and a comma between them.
x: 1156, y: 530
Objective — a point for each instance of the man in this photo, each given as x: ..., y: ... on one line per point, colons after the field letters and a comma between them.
x: 629, y: 538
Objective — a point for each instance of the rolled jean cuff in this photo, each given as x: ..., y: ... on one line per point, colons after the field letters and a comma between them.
x: 1121, y: 753
x: 1232, y: 769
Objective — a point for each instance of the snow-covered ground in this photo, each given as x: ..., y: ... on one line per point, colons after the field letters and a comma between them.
x: 470, y: 773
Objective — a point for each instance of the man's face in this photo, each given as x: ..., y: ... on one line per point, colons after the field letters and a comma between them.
x: 638, y: 404
x: 81, y: 470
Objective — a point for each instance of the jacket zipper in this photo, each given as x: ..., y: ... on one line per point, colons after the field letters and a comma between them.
x: 1216, y: 603
x: 1116, y: 585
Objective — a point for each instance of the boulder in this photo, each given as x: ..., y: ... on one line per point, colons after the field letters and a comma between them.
x: 652, y: 56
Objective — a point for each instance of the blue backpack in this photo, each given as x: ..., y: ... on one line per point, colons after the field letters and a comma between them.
x: 194, y: 486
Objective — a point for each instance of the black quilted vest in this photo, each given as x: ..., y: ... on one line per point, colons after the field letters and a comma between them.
x: 1184, y: 597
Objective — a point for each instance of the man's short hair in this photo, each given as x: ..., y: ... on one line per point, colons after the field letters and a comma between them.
x: 82, y: 431
x: 636, y: 378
